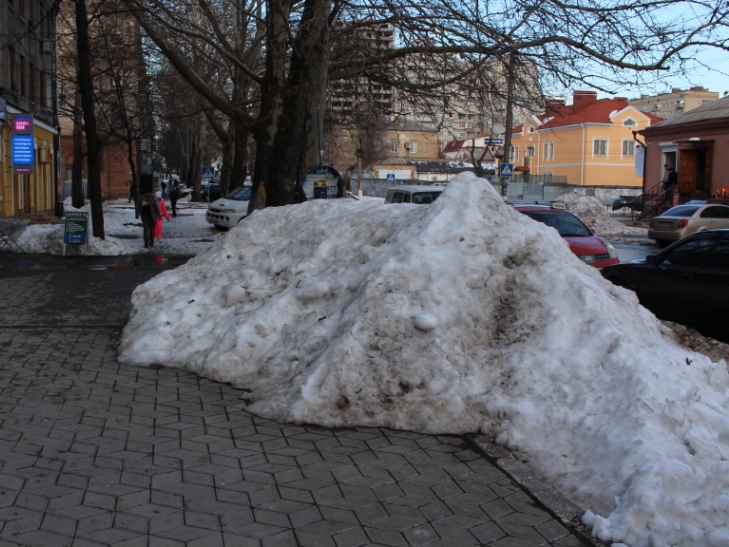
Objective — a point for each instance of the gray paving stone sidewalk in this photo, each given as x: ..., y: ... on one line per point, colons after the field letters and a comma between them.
x: 96, y: 453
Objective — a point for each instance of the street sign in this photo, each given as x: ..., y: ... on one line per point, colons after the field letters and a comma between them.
x: 77, y: 224
x: 23, y: 154
x: 391, y: 177
x: 506, y: 169
x: 208, y: 173
x: 493, y: 141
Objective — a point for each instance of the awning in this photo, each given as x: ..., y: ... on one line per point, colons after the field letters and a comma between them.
x: 522, y: 168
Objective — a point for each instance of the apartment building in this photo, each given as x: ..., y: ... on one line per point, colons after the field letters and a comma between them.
x: 28, y: 181
x: 678, y: 101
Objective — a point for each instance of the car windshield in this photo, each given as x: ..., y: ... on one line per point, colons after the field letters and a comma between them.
x: 242, y: 193
x: 681, y: 211
x: 566, y: 224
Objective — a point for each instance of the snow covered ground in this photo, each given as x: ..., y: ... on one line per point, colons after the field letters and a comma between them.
x: 187, y: 234
x: 462, y: 316
x: 458, y: 317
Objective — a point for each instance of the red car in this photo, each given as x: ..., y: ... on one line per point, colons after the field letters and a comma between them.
x: 582, y: 240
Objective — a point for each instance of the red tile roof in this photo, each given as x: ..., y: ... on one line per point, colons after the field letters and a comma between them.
x: 597, y: 111
x: 453, y: 146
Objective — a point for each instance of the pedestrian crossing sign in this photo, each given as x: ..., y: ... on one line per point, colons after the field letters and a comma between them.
x: 506, y: 169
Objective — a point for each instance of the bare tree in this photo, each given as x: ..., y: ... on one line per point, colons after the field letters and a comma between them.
x: 568, y: 42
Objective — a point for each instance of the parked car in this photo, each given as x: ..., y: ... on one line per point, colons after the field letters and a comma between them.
x: 683, y: 220
x: 210, y: 191
x: 413, y: 194
x: 589, y: 248
x: 227, y: 212
x: 686, y: 283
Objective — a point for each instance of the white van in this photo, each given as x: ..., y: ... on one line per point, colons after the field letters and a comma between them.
x: 413, y: 194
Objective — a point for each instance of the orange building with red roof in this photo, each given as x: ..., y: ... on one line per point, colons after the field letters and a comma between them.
x: 589, y: 142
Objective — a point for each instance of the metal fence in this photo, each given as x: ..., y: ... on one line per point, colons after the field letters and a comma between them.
x: 65, y: 191
x: 515, y: 191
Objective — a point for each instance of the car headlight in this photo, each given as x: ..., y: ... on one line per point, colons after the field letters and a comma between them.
x: 611, y: 250
x: 587, y: 259
x: 228, y: 211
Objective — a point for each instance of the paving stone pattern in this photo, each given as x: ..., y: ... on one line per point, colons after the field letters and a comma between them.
x: 96, y: 453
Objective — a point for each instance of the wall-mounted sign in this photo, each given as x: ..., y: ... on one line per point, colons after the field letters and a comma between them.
x: 23, y: 154
x: 22, y: 124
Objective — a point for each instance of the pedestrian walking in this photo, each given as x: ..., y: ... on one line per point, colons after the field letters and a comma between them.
x: 158, y: 228
x: 174, y: 196
x: 148, y: 210
x: 133, y: 192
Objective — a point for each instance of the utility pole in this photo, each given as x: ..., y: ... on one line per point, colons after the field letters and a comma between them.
x: 509, y: 117
x: 360, y: 153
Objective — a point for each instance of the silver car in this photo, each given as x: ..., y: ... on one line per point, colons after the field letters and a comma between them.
x: 683, y: 220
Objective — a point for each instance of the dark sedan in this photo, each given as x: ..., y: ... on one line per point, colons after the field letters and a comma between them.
x: 687, y: 282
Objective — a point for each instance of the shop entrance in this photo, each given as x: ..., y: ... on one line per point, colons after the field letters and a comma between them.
x: 694, y: 170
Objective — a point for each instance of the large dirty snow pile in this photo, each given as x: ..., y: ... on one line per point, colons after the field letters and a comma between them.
x: 592, y: 212
x: 460, y: 316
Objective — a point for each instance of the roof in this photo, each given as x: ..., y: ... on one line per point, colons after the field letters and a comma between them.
x: 597, y: 111
x: 453, y: 146
x: 715, y: 110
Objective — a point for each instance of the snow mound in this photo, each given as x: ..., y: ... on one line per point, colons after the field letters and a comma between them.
x: 48, y: 239
x: 462, y: 316
x: 592, y: 212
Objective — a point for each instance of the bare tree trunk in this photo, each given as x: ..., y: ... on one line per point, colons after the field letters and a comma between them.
x: 77, y: 170
x: 271, y: 99
x: 87, y: 102
x: 296, y: 140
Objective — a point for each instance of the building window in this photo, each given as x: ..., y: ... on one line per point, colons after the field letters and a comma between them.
x: 629, y: 148
x: 531, y: 129
x: 22, y: 76
x: 548, y: 150
x: 529, y: 151
x: 461, y: 133
x: 547, y: 177
x: 413, y: 147
x: 42, y: 91
x: 13, y: 71
x: 33, y: 95
x: 393, y: 146
x: 599, y: 147
x: 630, y: 122
x: 514, y: 154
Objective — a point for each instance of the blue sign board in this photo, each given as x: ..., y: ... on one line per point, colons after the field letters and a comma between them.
x: 493, y: 141
x: 23, y: 154
x: 506, y: 169
x: 391, y: 177
x: 208, y: 173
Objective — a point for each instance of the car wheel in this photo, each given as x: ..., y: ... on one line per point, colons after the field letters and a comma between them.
x: 662, y: 243
x: 218, y: 227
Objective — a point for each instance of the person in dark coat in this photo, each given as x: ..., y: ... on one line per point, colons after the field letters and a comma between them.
x: 148, y: 210
x: 671, y: 184
x: 174, y: 196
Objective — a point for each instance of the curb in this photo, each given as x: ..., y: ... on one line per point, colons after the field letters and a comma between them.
x: 556, y: 503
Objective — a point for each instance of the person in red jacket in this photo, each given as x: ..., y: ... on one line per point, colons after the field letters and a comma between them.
x: 162, y: 213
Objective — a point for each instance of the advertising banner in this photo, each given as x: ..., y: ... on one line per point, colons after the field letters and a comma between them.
x: 23, y: 154
x: 77, y: 224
